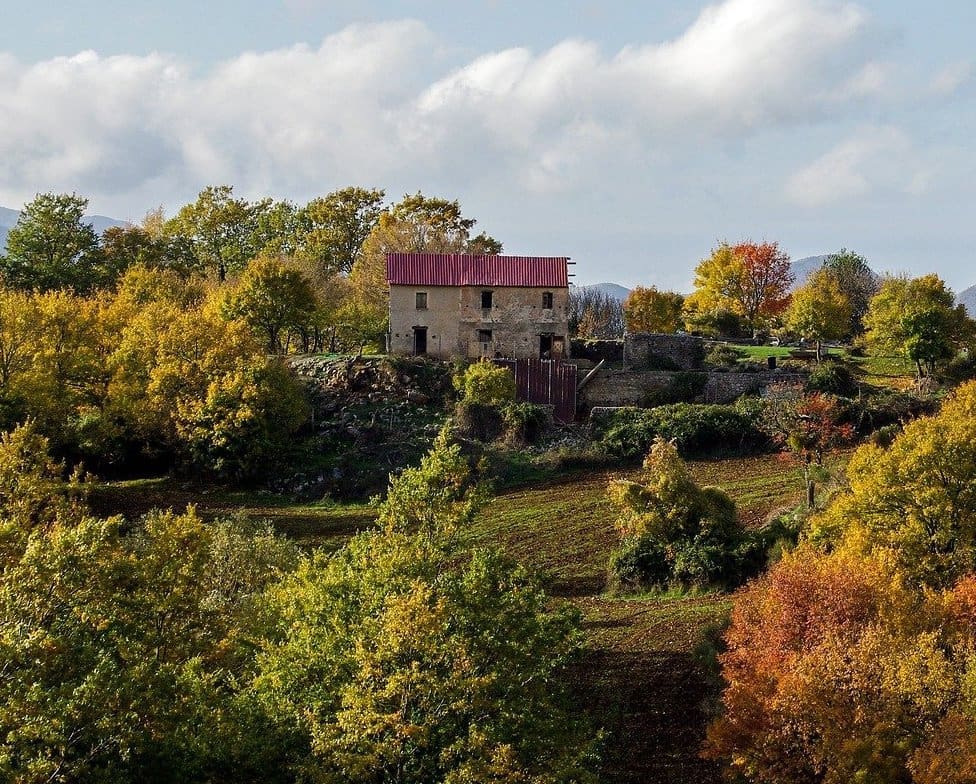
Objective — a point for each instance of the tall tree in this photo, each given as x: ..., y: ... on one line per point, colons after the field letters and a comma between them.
x: 417, y: 224
x: 334, y: 227
x: 595, y: 314
x: 650, y: 310
x: 749, y: 279
x: 819, y: 310
x: 857, y: 281
x: 222, y: 229
x: 764, y: 288
x: 52, y: 247
x: 917, y: 318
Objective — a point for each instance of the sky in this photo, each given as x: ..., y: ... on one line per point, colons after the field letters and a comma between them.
x: 632, y: 136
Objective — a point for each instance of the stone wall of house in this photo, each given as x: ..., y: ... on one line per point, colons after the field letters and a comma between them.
x: 613, y: 388
x: 457, y: 325
x: 651, y: 351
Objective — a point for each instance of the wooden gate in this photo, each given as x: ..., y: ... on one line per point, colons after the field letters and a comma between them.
x: 546, y: 381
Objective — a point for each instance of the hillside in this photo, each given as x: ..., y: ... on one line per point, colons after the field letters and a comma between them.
x: 968, y: 298
x: 805, y: 267
x: 614, y: 290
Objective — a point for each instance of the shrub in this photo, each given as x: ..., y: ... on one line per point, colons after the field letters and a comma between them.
x: 696, y: 429
x: 485, y: 382
x: 683, y: 387
x: 525, y: 423
x: 479, y: 421
x: 722, y: 355
x: 674, y: 532
x: 833, y: 378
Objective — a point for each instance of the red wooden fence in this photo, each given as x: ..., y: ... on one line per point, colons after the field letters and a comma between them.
x: 545, y: 381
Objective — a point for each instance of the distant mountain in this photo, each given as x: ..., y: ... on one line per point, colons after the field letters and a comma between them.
x: 805, y: 267
x: 8, y: 219
x: 968, y: 298
x: 614, y: 290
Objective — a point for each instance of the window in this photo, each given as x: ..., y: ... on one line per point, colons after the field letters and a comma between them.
x: 421, y: 300
x: 485, y: 299
x: 484, y: 336
x: 547, y: 300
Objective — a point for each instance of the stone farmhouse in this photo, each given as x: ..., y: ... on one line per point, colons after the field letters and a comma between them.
x: 452, y: 305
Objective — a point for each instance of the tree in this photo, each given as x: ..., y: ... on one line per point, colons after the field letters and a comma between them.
x: 673, y: 531
x: 273, y: 298
x: 595, y: 314
x: 121, y: 647
x: 857, y: 281
x: 749, y: 279
x: 808, y: 425
x: 916, y: 499
x: 52, y: 247
x: 819, y: 310
x: 407, y: 658
x: 336, y: 226
x: 417, y: 224
x: 836, y: 672
x: 650, y: 310
x: 917, y: 318
x: 221, y: 229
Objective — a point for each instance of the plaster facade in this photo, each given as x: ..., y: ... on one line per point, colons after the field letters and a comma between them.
x: 475, y: 321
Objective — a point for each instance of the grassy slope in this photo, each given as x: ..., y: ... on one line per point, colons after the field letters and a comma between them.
x: 639, y: 676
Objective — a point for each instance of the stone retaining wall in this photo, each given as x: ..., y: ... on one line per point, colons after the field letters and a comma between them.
x: 615, y: 388
x: 651, y: 351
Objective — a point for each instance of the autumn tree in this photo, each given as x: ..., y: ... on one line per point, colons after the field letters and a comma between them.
x: 819, y: 310
x: 749, y: 279
x: 52, y: 247
x: 917, y: 498
x: 836, y: 672
x: 808, y: 425
x: 918, y: 319
x: 416, y: 224
x: 648, y: 310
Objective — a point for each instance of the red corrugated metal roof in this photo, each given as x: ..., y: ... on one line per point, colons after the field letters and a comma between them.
x: 462, y: 269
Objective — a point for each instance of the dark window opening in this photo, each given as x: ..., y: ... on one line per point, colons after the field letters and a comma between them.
x: 484, y: 336
x: 421, y: 300
x: 485, y: 299
x: 545, y: 346
x: 547, y: 300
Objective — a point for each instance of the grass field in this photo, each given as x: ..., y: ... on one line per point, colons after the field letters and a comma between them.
x: 639, y: 676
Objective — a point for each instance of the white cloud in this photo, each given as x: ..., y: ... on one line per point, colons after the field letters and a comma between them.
x: 361, y: 108
x: 874, y: 160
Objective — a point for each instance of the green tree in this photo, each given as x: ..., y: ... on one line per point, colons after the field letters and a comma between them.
x: 336, y: 226
x: 406, y: 658
x: 819, y: 310
x: 650, y: 310
x: 52, y: 247
x: 221, y: 229
x: 857, y: 281
x: 274, y: 299
x: 917, y: 318
x: 673, y: 531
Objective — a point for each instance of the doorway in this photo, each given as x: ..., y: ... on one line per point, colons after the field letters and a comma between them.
x: 545, y: 346
x: 419, y: 340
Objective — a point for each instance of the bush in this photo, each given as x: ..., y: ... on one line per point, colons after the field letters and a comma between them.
x: 696, y: 429
x: 673, y: 532
x: 683, y: 387
x: 479, y: 421
x: 525, y: 423
x: 833, y: 378
x: 961, y: 369
x: 722, y: 355
x: 485, y: 382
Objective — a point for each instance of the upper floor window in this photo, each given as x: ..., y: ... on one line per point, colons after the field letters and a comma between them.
x: 421, y: 300
x: 485, y: 299
x: 484, y: 336
x: 547, y: 300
